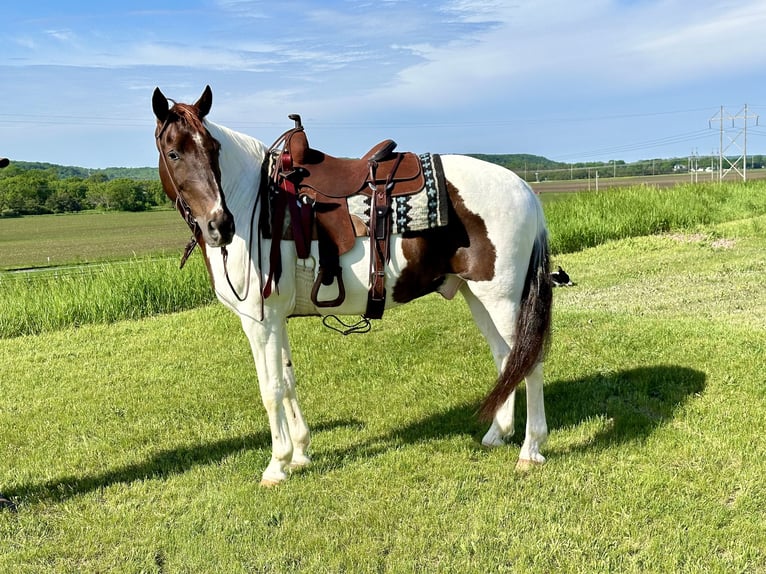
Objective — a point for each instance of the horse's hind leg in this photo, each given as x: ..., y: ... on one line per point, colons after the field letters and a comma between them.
x: 496, y: 320
x: 502, y: 423
x: 299, y: 430
x: 537, y: 427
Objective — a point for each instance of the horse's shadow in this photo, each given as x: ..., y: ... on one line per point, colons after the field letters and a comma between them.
x: 632, y: 403
x: 162, y: 464
x: 628, y: 405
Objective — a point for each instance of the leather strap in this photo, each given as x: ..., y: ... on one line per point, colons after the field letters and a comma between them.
x: 380, y: 240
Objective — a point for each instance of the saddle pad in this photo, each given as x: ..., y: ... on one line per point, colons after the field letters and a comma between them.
x: 425, y: 209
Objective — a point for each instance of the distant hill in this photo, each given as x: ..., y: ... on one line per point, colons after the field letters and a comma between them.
x: 533, y: 168
x: 106, y: 174
x: 520, y: 161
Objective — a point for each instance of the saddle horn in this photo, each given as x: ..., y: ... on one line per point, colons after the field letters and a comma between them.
x: 297, y: 119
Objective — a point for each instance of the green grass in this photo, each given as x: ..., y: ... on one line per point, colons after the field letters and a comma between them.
x: 95, y: 268
x: 100, y: 293
x: 138, y: 446
x: 588, y: 219
x: 141, y: 443
x: 55, y: 240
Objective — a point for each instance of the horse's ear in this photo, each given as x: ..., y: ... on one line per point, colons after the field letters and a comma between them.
x: 205, y: 102
x: 160, y: 105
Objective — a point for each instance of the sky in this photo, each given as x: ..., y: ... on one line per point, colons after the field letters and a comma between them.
x: 592, y: 80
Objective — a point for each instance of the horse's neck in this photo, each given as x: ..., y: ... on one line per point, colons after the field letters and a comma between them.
x: 241, y: 161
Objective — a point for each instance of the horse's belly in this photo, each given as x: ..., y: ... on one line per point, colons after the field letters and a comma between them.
x: 355, y: 265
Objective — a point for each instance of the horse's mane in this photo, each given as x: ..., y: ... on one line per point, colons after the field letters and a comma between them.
x: 187, y: 113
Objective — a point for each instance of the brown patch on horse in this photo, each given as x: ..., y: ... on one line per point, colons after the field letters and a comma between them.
x: 461, y: 247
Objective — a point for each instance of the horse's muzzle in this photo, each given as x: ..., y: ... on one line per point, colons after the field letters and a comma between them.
x: 219, y: 229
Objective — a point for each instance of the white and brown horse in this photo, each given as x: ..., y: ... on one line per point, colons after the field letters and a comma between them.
x: 494, y: 250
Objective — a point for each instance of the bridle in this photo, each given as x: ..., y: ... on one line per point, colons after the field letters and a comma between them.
x: 186, y: 214
x: 180, y: 203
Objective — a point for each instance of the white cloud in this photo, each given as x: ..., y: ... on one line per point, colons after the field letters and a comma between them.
x: 599, y: 45
x: 66, y: 36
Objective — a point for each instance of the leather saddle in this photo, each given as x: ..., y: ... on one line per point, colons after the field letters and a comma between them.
x: 320, y: 176
x: 322, y: 185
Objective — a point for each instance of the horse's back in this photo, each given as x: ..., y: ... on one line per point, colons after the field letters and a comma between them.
x: 504, y: 201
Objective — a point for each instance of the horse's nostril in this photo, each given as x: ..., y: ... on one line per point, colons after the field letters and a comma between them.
x: 221, y: 228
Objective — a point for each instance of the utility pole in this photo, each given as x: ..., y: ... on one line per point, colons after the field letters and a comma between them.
x: 736, y: 137
x: 694, y: 166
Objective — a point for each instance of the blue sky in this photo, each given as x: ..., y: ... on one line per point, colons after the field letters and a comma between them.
x: 572, y: 81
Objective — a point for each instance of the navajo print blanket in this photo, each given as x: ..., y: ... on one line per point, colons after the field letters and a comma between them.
x: 423, y: 210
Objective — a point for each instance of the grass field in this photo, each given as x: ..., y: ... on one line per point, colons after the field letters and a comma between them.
x: 137, y: 446
x: 659, y: 181
x: 55, y: 240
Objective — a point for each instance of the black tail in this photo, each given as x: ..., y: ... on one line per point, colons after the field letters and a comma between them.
x: 532, y: 329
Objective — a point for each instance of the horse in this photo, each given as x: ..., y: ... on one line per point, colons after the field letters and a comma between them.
x: 493, y: 251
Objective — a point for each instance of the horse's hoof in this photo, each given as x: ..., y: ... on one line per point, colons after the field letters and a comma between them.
x: 299, y: 462
x: 525, y: 465
x: 268, y: 483
x: 489, y: 444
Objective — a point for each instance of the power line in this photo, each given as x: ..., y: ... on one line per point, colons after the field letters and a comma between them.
x: 636, y: 146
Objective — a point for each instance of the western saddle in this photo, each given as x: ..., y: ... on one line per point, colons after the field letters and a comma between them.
x: 314, y: 188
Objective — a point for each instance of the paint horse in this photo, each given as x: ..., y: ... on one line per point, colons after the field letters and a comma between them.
x: 493, y: 250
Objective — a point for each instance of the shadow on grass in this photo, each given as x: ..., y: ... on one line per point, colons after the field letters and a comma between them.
x: 634, y: 403
x: 163, y: 464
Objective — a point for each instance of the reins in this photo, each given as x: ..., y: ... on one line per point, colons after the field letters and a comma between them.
x: 225, y: 255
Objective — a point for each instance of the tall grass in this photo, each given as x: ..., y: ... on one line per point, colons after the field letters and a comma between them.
x: 104, y: 293
x: 588, y: 219
x: 43, y: 301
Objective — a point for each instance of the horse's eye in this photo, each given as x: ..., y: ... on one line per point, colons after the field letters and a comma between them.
x: 174, y: 155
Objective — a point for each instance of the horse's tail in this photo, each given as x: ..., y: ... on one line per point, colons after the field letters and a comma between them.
x: 532, y: 329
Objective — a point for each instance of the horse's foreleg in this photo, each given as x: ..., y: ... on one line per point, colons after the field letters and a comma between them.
x: 537, y: 428
x: 266, y: 340
x: 299, y: 430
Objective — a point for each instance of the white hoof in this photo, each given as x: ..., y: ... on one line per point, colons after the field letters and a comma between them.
x: 527, y: 464
x: 299, y: 461
x: 273, y: 474
x: 493, y: 438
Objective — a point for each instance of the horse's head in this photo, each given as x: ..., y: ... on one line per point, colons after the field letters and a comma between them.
x: 189, y: 170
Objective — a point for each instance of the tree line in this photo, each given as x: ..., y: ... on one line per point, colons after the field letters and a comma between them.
x: 39, y: 188
x: 537, y: 168
x: 33, y: 189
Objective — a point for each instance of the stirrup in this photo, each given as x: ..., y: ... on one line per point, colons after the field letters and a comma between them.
x: 319, y: 281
